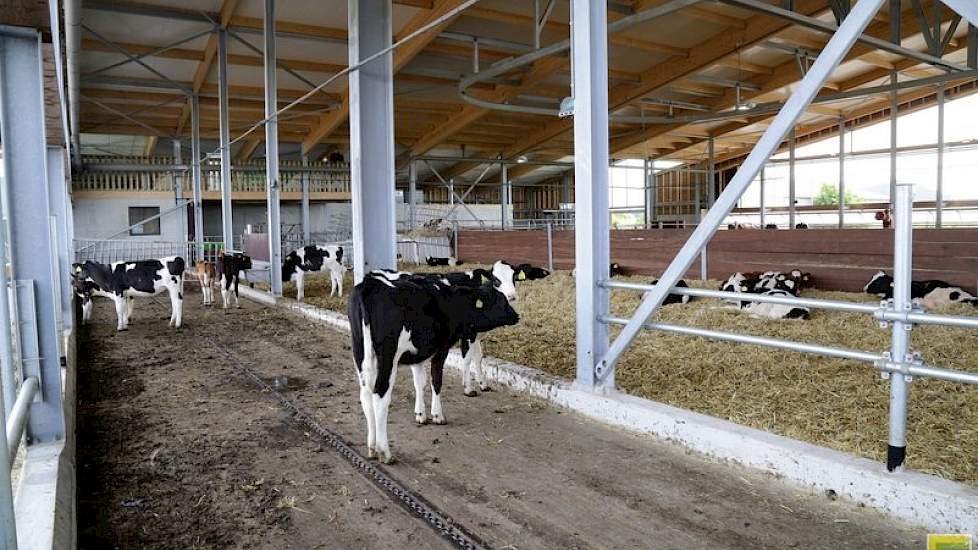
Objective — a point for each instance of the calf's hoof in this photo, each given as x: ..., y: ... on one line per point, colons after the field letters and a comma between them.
x: 470, y: 393
x: 371, y: 453
x: 388, y: 458
x: 438, y: 419
x: 420, y: 418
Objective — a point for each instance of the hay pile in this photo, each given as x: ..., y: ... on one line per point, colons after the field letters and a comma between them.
x: 830, y: 402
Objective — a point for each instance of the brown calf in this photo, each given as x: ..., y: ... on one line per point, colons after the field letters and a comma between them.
x: 206, y: 274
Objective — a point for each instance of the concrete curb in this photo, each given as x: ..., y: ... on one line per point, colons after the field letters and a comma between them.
x: 939, y: 505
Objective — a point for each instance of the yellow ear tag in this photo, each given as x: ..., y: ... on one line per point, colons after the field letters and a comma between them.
x: 484, y: 279
x: 521, y: 276
x: 478, y: 304
x: 743, y: 288
x: 78, y: 269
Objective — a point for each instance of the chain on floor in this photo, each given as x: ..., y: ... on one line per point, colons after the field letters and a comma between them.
x: 413, y: 502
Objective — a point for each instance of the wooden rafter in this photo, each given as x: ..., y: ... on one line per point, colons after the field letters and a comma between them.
x: 402, y: 56
x: 663, y: 74
x: 210, y: 52
x: 784, y: 75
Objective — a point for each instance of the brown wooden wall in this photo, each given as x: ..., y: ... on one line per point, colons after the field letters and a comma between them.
x: 840, y: 259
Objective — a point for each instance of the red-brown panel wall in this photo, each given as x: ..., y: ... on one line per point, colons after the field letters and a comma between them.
x: 840, y: 259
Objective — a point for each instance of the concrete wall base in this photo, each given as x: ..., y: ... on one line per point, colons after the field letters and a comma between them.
x: 928, y: 501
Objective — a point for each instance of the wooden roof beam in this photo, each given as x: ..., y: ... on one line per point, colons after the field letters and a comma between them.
x: 664, y: 74
x: 402, y: 56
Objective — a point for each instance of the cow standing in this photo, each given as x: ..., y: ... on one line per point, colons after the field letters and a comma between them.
x: 314, y: 258
x: 398, y: 320
x: 230, y: 267
x: 123, y: 281
x: 504, y: 277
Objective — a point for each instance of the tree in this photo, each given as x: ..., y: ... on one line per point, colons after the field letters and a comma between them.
x: 828, y: 193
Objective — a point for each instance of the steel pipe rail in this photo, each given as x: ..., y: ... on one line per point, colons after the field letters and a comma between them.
x: 914, y: 368
x: 17, y: 420
x: 817, y: 349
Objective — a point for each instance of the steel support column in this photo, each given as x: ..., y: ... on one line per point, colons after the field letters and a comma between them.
x: 306, y: 223
x: 196, y: 176
x: 503, y: 194
x: 842, y: 172
x: 271, y: 154
x: 412, y: 190
x: 895, y: 22
x: 589, y: 62
x: 227, y: 227
x: 372, y: 137
x: 32, y: 245
x: 60, y: 206
x: 900, y: 340
x: 647, y: 180
x: 837, y: 47
x: 894, y: 108
x: 939, y: 199
x: 711, y: 189
x: 178, y: 190
x: 8, y: 381
x: 791, y: 180
x: 763, y: 208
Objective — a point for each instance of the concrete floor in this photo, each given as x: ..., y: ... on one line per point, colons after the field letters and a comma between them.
x: 513, y: 470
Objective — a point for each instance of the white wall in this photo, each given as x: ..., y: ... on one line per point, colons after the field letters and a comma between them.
x: 99, y: 218
x: 323, y: 216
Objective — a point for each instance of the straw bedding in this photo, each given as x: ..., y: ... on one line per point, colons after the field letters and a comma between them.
x: 831, y: 402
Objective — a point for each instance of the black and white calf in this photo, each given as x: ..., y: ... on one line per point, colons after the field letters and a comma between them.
x: 504, y: 277
x: 230, y: 267
x: 314, y: 258
x: 86, y: 289
x: 123, y: 281
x: 435, y: 261
x: 402, y: 320
x: 675, y: 298
x: 769, y: 284
x: 933, y: 294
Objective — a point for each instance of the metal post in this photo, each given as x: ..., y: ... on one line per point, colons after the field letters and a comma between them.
x: 791, y: 180
x: 271, y: 153
x: 306, y: 223
x: 711, y: 190
x: 32, y: 246
x: 589, y: 62
x: 837, y: 47
x: 902, y: 274
x: 653, y: 190
x: 503, y: 193
x: 372, y: 137
x: 412, y: 191
x: 895, y: 10
x: 227, y: 227
x: 894, y: 108
x: 195, y: 174
x: 550, y: 246
x: 647, y: 195
x: 763, y: 208
x: 939, y: 199
x: 536, y: 24
x: 178, y: 191
x: 60, y: 207
x: 842, y: 172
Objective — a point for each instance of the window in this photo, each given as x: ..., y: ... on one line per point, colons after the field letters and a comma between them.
x: 140, y: 213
